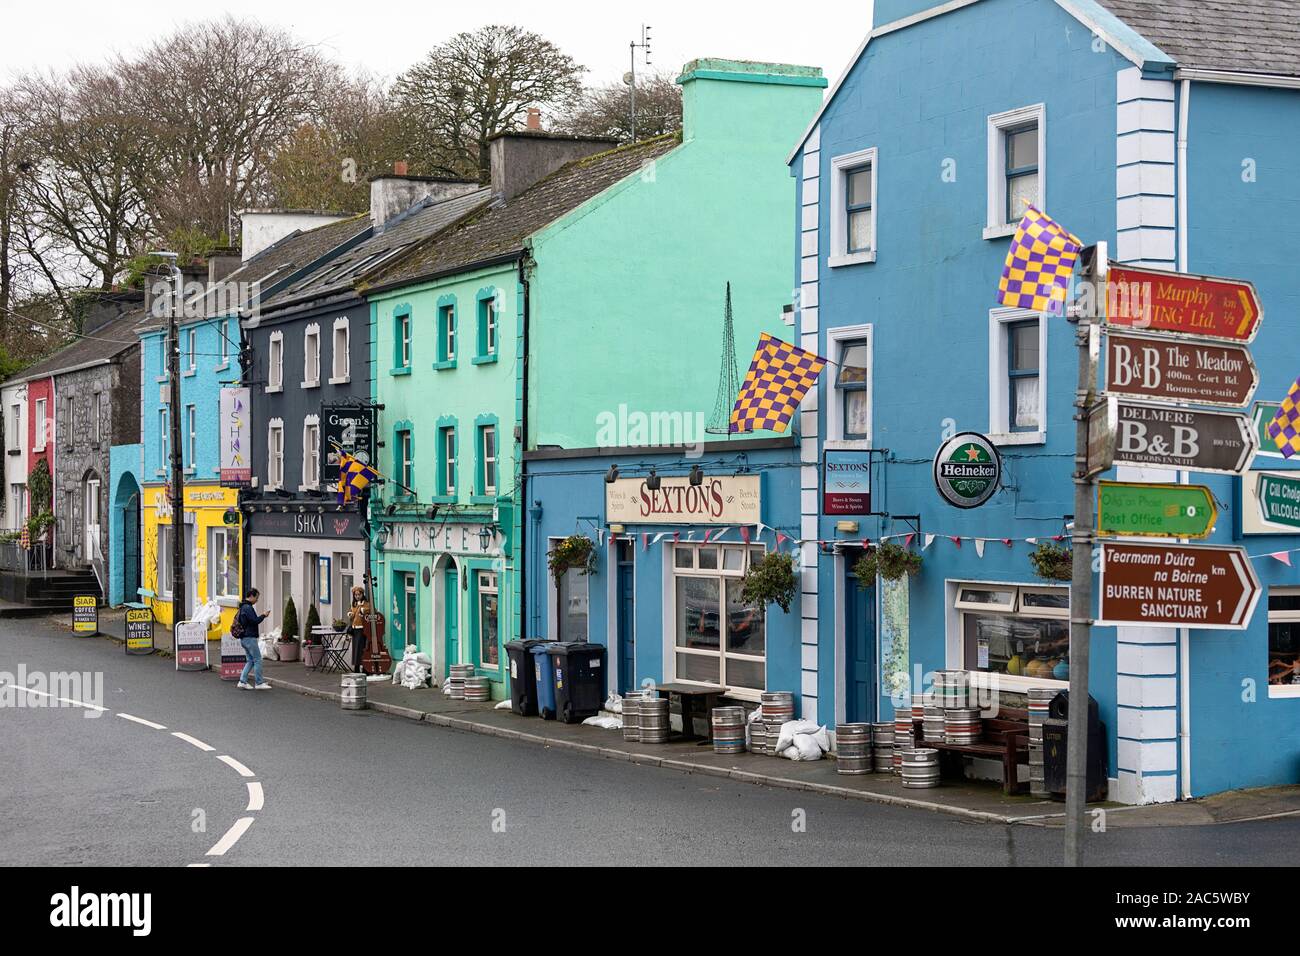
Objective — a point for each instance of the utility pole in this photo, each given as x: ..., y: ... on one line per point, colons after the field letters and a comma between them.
x: 631, y: 77
x: 1085, y: 483
x: 177, y: 450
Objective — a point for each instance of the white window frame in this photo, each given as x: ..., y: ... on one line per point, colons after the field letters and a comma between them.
x: 839, y: 238
x: 310, y: 359
x: 404, y: 338
x: 13, y: 440
x: 490, y: 326
x: 274, y: 458
x: 345, y: 376
x: 998, y: 124
x: 216, y: 557
x: 192, y: 437
x: 192, y: 350
x: 955, y: 644
x: 42, y: 414
x: 834, y: 404
x: 164, y: 575
x: 223, y: 339
x: 448, y: 463
x: 484, y: 431
x: 275, y: 363
x: 97, y: 399
x: 164, y: 432
x: 1280, y: 691
x: 493, y: 588
x: 310, y: 462
x: 720, y: 574
x: 1000, y: 321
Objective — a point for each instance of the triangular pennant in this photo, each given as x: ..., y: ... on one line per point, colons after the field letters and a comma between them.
x: 1031, y: 541
x: 979, y: 547
x: 908, y: 542
x: 956, y: 541
x: 645, y: 542
x: 1282, y: 556
x: 1007, y: 542
x: 780, y: 540
x: 929, y: 540
x: 706, y: 535
x: 744, y: 533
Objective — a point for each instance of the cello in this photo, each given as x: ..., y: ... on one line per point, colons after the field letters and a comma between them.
x: 375, y: 659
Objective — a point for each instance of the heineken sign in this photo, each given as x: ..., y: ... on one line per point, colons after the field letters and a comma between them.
x: 967, y: 470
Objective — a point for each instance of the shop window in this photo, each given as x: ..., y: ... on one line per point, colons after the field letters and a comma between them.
x: 1018, y: 633
x: 345, y: 563
x: 284, y: 584
x: 1284, y: 642
x: 489, y: 623
x: 223, y: 564
x: 718, y: 638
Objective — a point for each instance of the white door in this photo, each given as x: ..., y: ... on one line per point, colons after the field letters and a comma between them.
x: 90, y: 508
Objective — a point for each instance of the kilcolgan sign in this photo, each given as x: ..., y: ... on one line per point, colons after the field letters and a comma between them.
x: 729, y: 500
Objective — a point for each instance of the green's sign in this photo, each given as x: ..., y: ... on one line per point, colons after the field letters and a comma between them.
x: 967, y: 470
x: 1155, y: 511
x: 1279, y: 500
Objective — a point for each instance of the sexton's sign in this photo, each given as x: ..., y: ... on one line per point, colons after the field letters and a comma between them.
x: 719, y: 499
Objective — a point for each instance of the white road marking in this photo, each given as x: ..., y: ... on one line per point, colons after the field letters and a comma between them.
x: 255, y: 798
x: 238, y: 829
x: 238, y: 767
x: 82, y: 703
x: 191, y: 740
x: 141, y: 720
x: 197, y: 864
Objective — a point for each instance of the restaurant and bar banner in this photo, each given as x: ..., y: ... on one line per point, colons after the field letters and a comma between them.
x: 718, y: 499
x: 236, y: 438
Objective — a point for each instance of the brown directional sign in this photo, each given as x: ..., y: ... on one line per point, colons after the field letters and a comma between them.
x: 1180, y: 370
x: 1205, y: 306
x: 1165, y: 436
x: 1157, y: 585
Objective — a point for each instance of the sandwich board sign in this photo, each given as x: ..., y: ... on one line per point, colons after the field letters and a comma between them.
x: 85, y: 615
x: 192, y: 646
x: 139, y: 630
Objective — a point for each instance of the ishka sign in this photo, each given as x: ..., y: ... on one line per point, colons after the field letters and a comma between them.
x: 730, y: 499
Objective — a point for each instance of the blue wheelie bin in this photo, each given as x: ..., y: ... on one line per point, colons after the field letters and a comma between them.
x: 544, y: 674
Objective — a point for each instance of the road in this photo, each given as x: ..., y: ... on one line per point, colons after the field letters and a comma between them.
x: 320, y: 786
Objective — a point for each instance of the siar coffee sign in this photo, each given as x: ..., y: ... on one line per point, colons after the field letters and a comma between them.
x: 718, y: 499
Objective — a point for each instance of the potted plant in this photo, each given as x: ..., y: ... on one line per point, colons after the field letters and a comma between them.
x: 770, y: 580
x: 1052, y: 562
x: 886, y: 560
x: 312, y: 648
x: 286, y: 648
x: 576, y: 551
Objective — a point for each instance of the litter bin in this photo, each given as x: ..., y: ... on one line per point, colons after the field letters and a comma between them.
x: 1056, y: 743
x: 579, y: 679
x: 544, y: 679
x: 523, y: 676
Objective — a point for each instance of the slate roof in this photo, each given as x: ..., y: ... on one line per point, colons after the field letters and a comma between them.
x: 103, y: 345
x: 1243, y: 36
x: 500, y: 229
x: 401, y: 233
x: 294, y: 252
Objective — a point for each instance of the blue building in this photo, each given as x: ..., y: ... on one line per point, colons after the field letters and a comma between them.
x: 1163, y: 127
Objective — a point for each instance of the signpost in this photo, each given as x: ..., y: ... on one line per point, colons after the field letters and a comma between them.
x: 1156, y: 511
x: 139, y: 630
x: 1203, y: 306
x: 1103, y: 426
x: 1279, y: 500
x: 1180, y: 370
x: 1165, y: 436
x: 85, y: 615
x: 1159, y: 585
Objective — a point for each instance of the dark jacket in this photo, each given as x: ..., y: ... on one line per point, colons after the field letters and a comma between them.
x: 250, y: 619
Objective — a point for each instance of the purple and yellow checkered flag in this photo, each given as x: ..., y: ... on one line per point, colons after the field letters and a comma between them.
x: 1039, y: 265
x: 1284, y: 429
x: 355, y: 477
x: 778, y: 379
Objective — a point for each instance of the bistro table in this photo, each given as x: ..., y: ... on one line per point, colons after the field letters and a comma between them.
x: 334, y: 644
x: 695, y: 699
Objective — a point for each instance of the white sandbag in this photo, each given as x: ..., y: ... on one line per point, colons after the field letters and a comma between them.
x: 806, y: 747
x: 424, y: 659
x: 605, y: 723
x: 614, y: 703
x: 503, y: 705
x: 266, y: 644
x: 792, y: 727
x: 823, y: 740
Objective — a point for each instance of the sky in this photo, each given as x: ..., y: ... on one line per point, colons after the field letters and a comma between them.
x: 386, y: 37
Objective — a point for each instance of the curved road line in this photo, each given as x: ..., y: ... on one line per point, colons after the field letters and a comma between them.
x: 256, y: 795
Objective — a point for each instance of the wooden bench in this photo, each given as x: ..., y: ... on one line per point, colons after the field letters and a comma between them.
x: 1005, y: 738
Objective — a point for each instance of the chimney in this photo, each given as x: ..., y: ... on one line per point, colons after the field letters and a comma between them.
x: 522, y: 159
x: 221, y: 262
x: 107, y: 306
x: 262, y: 228
x: 746, y: 101
x: 393, y: 194
x: 534, y: 119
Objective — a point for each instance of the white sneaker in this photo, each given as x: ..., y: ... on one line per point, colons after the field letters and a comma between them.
x: 242, y: 686
x: 263, y: 686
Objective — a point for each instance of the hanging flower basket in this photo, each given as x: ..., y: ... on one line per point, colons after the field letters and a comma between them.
x: 1052, y: 562
x: 889, y: 561
x: 770, y: 580
x: 577, y: 551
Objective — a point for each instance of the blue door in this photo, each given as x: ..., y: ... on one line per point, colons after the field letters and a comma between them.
x: 859, y: 651
x: 626, y: 617
x: 451, y: 618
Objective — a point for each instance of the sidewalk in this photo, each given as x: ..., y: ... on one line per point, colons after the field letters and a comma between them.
x: 976, y: 801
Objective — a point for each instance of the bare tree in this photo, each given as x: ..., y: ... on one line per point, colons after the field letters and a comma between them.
x: 606, y: 110
x: 219, y: 99
x: 477, y: 85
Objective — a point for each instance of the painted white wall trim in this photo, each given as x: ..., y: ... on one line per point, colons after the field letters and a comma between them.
x: 1239, y: 79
